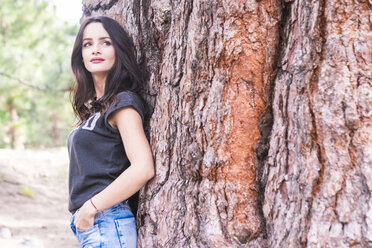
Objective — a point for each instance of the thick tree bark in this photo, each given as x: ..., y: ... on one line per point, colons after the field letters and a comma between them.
x: 260, y: 124
x: 319, y: 168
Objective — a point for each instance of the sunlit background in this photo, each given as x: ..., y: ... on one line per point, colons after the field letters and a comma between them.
x: 68, y: 10
x: 35, y: 45
x: 36, y: 39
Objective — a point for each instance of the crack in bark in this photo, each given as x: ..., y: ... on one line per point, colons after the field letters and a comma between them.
x: 286, y: 122
x: 222, y: 225
x: 183, y: 47
x: 262, y: 149
x: 368, y: 193
x: 316, y: 143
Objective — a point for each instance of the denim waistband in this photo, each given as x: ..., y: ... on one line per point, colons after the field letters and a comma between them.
x: 122, y: 205
x: 121, y: 209
x: 108, y: 210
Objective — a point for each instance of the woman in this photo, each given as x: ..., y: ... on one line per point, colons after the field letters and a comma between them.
x: 110, y: 157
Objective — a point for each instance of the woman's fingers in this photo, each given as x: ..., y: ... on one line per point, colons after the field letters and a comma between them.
x: 85, y: 217
x: 82, y: 224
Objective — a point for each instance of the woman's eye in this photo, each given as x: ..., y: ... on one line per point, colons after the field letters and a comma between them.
x: 87, y: 44
x: 107, y: 43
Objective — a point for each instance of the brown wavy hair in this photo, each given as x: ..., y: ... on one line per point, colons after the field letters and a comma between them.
x: 124, y: 74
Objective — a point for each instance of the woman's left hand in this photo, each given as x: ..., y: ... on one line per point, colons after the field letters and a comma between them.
x: 84, y: 218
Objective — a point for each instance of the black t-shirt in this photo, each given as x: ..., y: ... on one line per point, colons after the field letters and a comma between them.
x: 96, y: 152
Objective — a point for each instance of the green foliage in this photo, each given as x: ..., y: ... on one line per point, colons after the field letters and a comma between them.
x: 35, y: 49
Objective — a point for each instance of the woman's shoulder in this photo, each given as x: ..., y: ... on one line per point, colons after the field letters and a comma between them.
x: 129, y: 96
x: 128, y: 99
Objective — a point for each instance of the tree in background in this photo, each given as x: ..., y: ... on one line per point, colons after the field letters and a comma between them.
x: 262, y: 122
x: 34, y: 74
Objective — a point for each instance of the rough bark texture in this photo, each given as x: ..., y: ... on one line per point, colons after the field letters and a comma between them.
x: 319, y: 168
x: 260, y: 124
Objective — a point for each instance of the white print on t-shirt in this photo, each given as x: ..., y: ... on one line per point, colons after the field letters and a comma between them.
x: 90, y: 124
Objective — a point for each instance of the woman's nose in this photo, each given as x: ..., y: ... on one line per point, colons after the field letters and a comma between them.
x: 96, y: 49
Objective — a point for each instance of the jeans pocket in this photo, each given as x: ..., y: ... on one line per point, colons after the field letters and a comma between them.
x: 89, y: 238
x: 126, y: 229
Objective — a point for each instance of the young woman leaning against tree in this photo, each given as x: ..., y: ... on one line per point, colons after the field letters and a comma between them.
x: 110, y: 157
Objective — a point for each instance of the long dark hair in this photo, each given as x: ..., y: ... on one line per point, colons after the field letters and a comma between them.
x: 124, y: 74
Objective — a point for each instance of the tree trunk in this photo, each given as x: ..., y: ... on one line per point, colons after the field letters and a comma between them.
x: 55, y: 129
x: 13, y: 117
x: 261, y: 121
x: 319, y: 168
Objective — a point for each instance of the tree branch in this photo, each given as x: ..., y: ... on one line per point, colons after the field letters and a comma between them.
x: 29, y: 84
x: 21, y: 81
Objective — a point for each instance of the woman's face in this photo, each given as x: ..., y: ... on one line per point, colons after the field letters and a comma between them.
x: 97, y: 50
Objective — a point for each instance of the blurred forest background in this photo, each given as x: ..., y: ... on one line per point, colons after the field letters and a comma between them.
x: 35, y: 119
x: 35, y: 77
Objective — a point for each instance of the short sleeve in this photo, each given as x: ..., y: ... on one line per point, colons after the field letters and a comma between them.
x: 126, y: 99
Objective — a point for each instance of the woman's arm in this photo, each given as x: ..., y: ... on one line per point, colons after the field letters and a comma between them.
x: 129, y: 123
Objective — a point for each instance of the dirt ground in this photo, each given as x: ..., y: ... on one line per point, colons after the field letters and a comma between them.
x: 33, y: 199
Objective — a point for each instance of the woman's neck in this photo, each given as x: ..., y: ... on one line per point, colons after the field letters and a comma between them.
x: 99, y: 85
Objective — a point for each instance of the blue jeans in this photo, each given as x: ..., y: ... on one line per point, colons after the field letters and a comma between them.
x: 113, y: 227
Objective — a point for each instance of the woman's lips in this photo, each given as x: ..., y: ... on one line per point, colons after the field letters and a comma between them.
x: 96, y: 60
